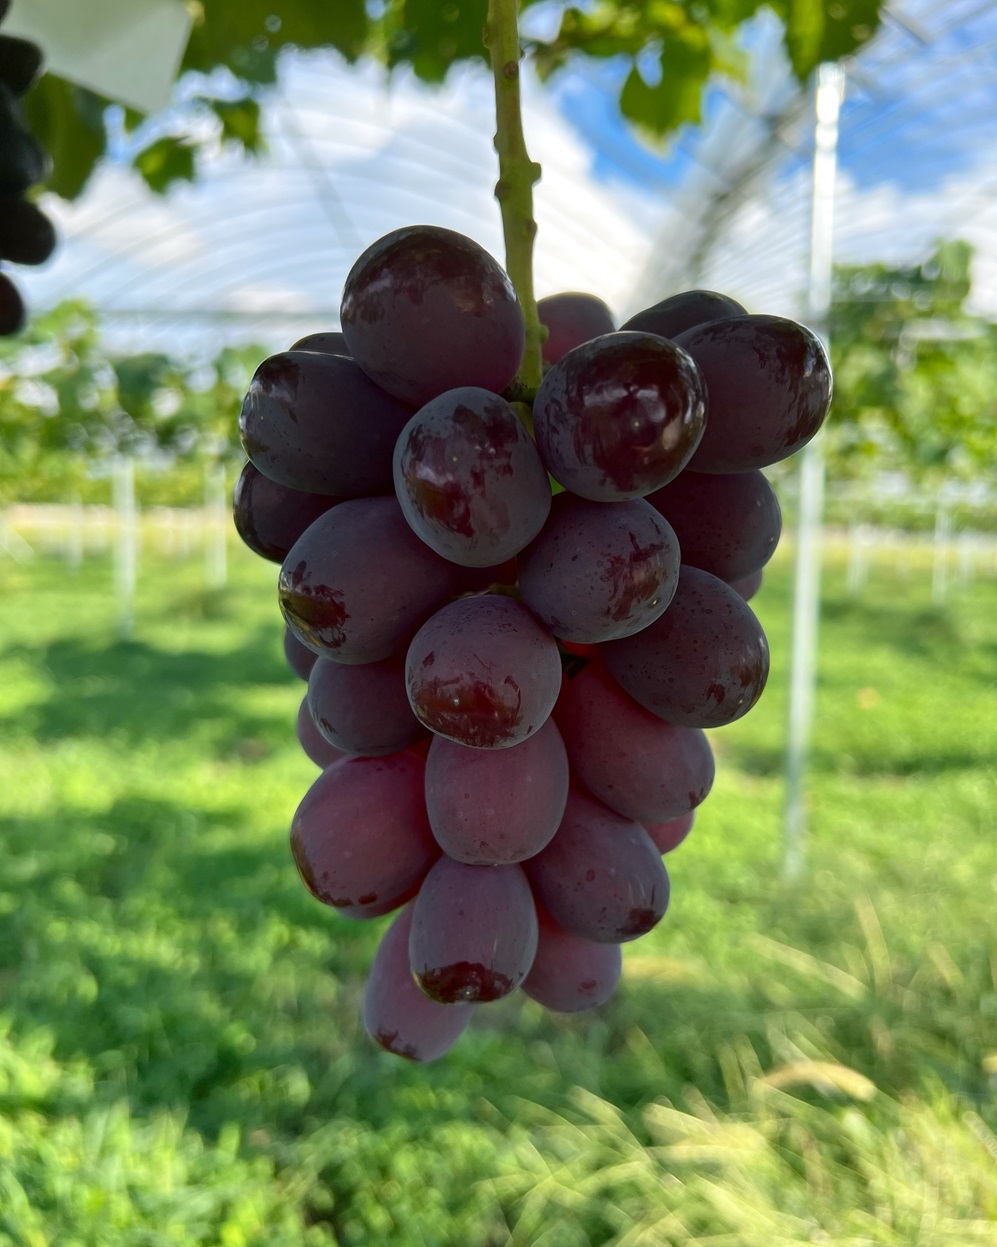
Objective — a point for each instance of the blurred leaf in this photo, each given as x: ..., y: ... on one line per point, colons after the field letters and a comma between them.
x: 823, y: 1076
x: 240, y: 122
x: 430, y: 35
x: 166, y: 161
x: 804, y: 34
x: 685, y: 62
x: 69, y: 123
x: 915, y: 373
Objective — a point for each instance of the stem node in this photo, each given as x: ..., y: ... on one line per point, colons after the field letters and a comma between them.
x: 517, y: 176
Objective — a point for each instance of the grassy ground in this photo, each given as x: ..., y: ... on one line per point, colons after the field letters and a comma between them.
x: 180, y: 1057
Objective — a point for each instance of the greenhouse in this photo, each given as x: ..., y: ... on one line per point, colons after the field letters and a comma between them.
x: 801, y: 1050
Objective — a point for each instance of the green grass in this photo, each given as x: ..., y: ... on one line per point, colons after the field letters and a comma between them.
x: 180, y: 1056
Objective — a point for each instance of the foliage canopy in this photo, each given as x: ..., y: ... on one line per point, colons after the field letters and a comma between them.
x: 669, y: 51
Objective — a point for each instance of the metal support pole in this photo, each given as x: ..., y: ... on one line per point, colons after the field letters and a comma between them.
x: 830, y: 89
x: 126, y: 543
x: 216, y: 526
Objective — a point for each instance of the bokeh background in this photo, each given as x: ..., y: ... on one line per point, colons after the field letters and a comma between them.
x: 805, y: 1051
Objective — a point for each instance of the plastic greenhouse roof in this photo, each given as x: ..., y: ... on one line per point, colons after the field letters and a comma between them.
x: 259, y: 249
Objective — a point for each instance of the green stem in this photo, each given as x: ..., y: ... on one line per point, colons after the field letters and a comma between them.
x: 514, y: 189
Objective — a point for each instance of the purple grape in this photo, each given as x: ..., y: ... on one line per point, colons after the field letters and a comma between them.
x: 474, y: 932
x: 360, y: 837
x: 363, y: 708
x: 728, y: 525
x: 426, y: 310
x: 358, y: 582
x: 680, y: 312
x: 330, y: 342
x: 704, y: 663
x: 27, y: 236
x: 270, y: 517
x: 23, y: 162
x: 316, y: 422
x: 469, y: 479
x: 570, y: 974
x: 669, y: 835
x: 571, y: 319
x: 12, y: 311
x: 628, y: 758
x: 299, y: 657
x: 748, y: 586
x: 491, y: 807
x: 600, y: 570
x: 396, y: 1014
x: 601, y: 876
x: 483, y: 672
x: 20, y: 63
x: 769, y: 386
x: 619, y: 416
x: 313, y: 742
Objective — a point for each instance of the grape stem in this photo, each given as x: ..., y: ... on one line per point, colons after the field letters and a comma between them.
x: 514, y: 189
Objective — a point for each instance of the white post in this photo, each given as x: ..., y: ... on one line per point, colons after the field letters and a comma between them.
x: 126, y: 543
x: 940, y: 563
x: 830, y: 90
x: 967, y: 559
x: 75, y: 545
x: 216, y: 526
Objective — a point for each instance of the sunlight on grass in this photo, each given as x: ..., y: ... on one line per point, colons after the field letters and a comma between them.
x: 181, y: 1060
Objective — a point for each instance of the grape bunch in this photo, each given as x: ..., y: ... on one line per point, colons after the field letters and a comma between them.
x: 26, y: 234
x: 515, y: 622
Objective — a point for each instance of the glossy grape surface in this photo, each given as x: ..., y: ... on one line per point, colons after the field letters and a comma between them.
x: 299, y: 657
x: 316, y: 422
x: 703, y: 664
x: 669, y: 835
x: 314, y: 744
x: 396, y: 1014
x: 570, y: 974
x: 469, y: 479
x: 600, y: 570
x: 270, y: 517
x: 328, y: 342
x: 360, y: 837
x: 491, y: 807
x: 426, y: 310
x: 358, y: 582
x: 363, y: 708
x: 474, y: 932
x: 572, y: 318
x: 680, y: 312
x: 483, y: 672
x: 726, y: 524
x: 619, y: 416
x: 769, y: 386
x: 601, y: 876
x: 627, y: 757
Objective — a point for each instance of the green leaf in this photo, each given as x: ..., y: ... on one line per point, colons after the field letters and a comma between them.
x: 166, y: 161
x: 247, y: 35
x: 240, y: 122
x: 817, y: 32
x: 68, y: 121
x: 431, y: 35
x: 686, y: 63
x: 804, y: 34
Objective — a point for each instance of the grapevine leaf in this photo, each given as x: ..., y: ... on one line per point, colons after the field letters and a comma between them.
x: 166, y: 161
x: 430, y: 35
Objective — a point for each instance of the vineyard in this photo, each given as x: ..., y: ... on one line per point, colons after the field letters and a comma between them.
x: 181, y: 1055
